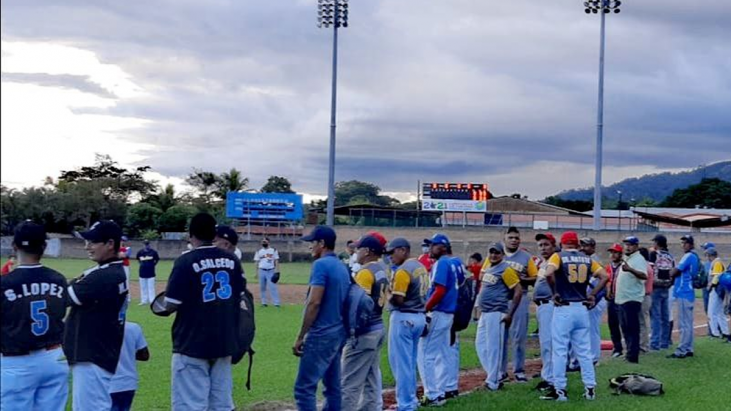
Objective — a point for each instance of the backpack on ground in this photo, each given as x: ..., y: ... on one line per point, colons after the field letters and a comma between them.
x: 466, y: 296
x: 636, y: 384
x: 700, y: 279
x: 247, y: 330
x: 358, y: 310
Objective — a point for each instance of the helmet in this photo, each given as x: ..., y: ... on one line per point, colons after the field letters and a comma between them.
x: 725, y: 280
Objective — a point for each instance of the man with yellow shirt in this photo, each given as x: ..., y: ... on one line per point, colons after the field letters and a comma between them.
x: 408, y: 291
x: 499, y: 281
x: 716, y: 317
x: 568, y: 273
x: 522, y: 262
x: 361, y: 373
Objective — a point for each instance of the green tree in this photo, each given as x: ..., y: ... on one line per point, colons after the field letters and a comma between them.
x: 355, y: 192
x: 115, y: 182
x: 576, y: 205
x: 164, y: 198
x: 233, y: 180
x: 176, y: 218
x: 277, y: 184
x: 203, y: 182
x: 710, y: 192
x: 142, y: 216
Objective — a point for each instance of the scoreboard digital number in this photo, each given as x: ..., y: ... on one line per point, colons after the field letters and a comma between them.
x: 456, y: 191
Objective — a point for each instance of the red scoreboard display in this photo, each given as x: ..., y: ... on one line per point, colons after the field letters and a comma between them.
x: 456, y: 191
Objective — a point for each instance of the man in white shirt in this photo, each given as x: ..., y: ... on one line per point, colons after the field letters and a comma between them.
x: 125, y: 381
x: 267, y: 261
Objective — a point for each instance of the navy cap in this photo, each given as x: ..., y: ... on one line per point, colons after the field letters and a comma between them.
x: 711, y: 251
x: 103, y: 231
x: 319, y: 233
x: 587, y: 241
x: 496, y: 247
x: 687, y: 239
x: 660, y: 239
x: 227, y: 233
x: 426, y: 242
x: 398, y: 242
x: 29, y: 235
x: 372, y: 243
x: 708, y: 245
x: 631, y: 240
x: 440, y: 239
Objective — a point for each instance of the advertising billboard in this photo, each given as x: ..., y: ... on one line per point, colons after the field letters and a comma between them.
x: 455, y: 205
x: 264, y: 206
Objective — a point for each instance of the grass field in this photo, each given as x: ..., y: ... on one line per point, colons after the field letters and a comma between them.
x: 698, y: 383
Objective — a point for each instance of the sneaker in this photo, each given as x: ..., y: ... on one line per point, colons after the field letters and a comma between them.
x: 264, y: 305
x: 437, y: 402
x: 451, y: 394
x: 573, y: 369
x: 504, y: 377
x: 674, y: 355
x: 689, y: 354
x: 616, y: 354
x: 499, y: 387
x: 544, y: 386
x: 520, y: 377
x: 589, y: 394
x: 555, y: 395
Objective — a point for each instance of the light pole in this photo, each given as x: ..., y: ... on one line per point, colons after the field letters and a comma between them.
x: 332, y: 13
x: 619, y: 211
x: 602, y: 7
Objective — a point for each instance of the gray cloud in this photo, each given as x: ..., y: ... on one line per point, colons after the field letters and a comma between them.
x: 465, y: 89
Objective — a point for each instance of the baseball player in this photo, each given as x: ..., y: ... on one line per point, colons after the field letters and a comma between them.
x: 440, y: 306
x: 716, y: 316
x: 227, y: 239
x: 569, y: 272
x: 95, y: 325
x: 125, y: 380
x: 588, y: 247
x: 361, y: 386
x: 204, y: 290
x: 34, y: 371
x: 148, y: 259
x: 125, y: 252
x: 543, y: 296
x: 451, y: 389
x: 407, y: 321
x: 523, y: 263
x: 499, y: 281
x: 684, y: 296
x: 267, y: 261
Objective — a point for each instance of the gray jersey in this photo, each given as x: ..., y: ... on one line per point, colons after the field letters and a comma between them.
x: 497, y: 281
x: 542, y: 290
x: 414, y: 291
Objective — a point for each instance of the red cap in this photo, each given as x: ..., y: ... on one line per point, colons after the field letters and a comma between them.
x: 378, y: 236
x: 616, y: 247
x: 546, y: 236
x: 570, y: 237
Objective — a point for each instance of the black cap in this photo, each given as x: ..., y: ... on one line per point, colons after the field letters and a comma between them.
x: 29, y: 236
x: 660, y: 239
x: 687, y: 239
x: 372, y: 244
x: 587, y: 241
x: 227, y: 233
x: 103, y: 231
x: 323, y: 233
x: 398, y: 242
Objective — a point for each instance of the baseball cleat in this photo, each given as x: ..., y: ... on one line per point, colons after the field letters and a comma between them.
x: 589, y: 393
x: 555, y: 395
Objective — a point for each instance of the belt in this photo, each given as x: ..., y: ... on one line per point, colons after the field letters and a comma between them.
x: 542, y: 301
x: 20, y: 354
x: 568, y: 303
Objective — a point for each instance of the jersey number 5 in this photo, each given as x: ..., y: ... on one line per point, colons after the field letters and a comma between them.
x: 40, y: 319
x: 577, y: 273
x: 224, y: 289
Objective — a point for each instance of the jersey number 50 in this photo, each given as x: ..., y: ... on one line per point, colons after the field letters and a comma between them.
x: 577, y: 273
x: 224, y: 289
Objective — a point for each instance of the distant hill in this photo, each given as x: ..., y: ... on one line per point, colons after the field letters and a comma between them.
x: 654, y: 186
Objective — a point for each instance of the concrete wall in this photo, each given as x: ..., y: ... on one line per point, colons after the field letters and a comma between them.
x: 465, y: 241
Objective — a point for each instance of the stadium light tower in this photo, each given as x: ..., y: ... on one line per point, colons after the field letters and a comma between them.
x: 332, y: 13
x: 602, y: 7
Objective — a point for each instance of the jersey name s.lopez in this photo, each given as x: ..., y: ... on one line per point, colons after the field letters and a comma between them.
x: 209, y: 263
x: 31, y: 289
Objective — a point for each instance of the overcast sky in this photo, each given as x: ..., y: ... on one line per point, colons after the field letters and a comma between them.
x: 502, y: 92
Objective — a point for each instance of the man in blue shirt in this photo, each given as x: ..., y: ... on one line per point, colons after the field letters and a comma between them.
x: 322, y: 336
x: 684, y: 295
x: 441, y: 303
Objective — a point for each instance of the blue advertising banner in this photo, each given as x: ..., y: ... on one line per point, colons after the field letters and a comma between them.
x: 264, y: 206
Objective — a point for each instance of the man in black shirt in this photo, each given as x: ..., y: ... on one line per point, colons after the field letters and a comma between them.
x: 34, y: 372
x: 148, y: 259
x: 95, y: 325
x: 204, y: 290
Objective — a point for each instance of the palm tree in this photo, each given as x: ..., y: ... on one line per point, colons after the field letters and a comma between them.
x: 231, y: 181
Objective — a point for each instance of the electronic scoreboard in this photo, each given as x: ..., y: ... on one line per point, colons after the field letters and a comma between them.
x: 456, y: 191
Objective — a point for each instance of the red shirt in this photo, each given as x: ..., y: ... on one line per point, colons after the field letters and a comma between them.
x: 7, y: 267
x: 476, y: 269
x: 125, y: 260
x: 426, y: 261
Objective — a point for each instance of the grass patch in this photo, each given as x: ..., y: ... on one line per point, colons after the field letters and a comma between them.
x: 699, y: 383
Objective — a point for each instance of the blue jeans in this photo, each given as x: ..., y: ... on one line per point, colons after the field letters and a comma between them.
x: 201, y: 384
x: 660, y: 319
x: 685, y: 325
x: 90, y: 389
x: 403, y: 342
x: 320, y: 361
x: 37, y: 381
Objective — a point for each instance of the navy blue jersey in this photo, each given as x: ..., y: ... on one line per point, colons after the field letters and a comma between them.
x: 148, y: 259
x: 574, y: 271
x: 33, y: 308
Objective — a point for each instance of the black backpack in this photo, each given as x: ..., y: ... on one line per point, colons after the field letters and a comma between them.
x: 636, y: 384
x: 700, y: 279
x: 247, y: 330
x: 466, y: 296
